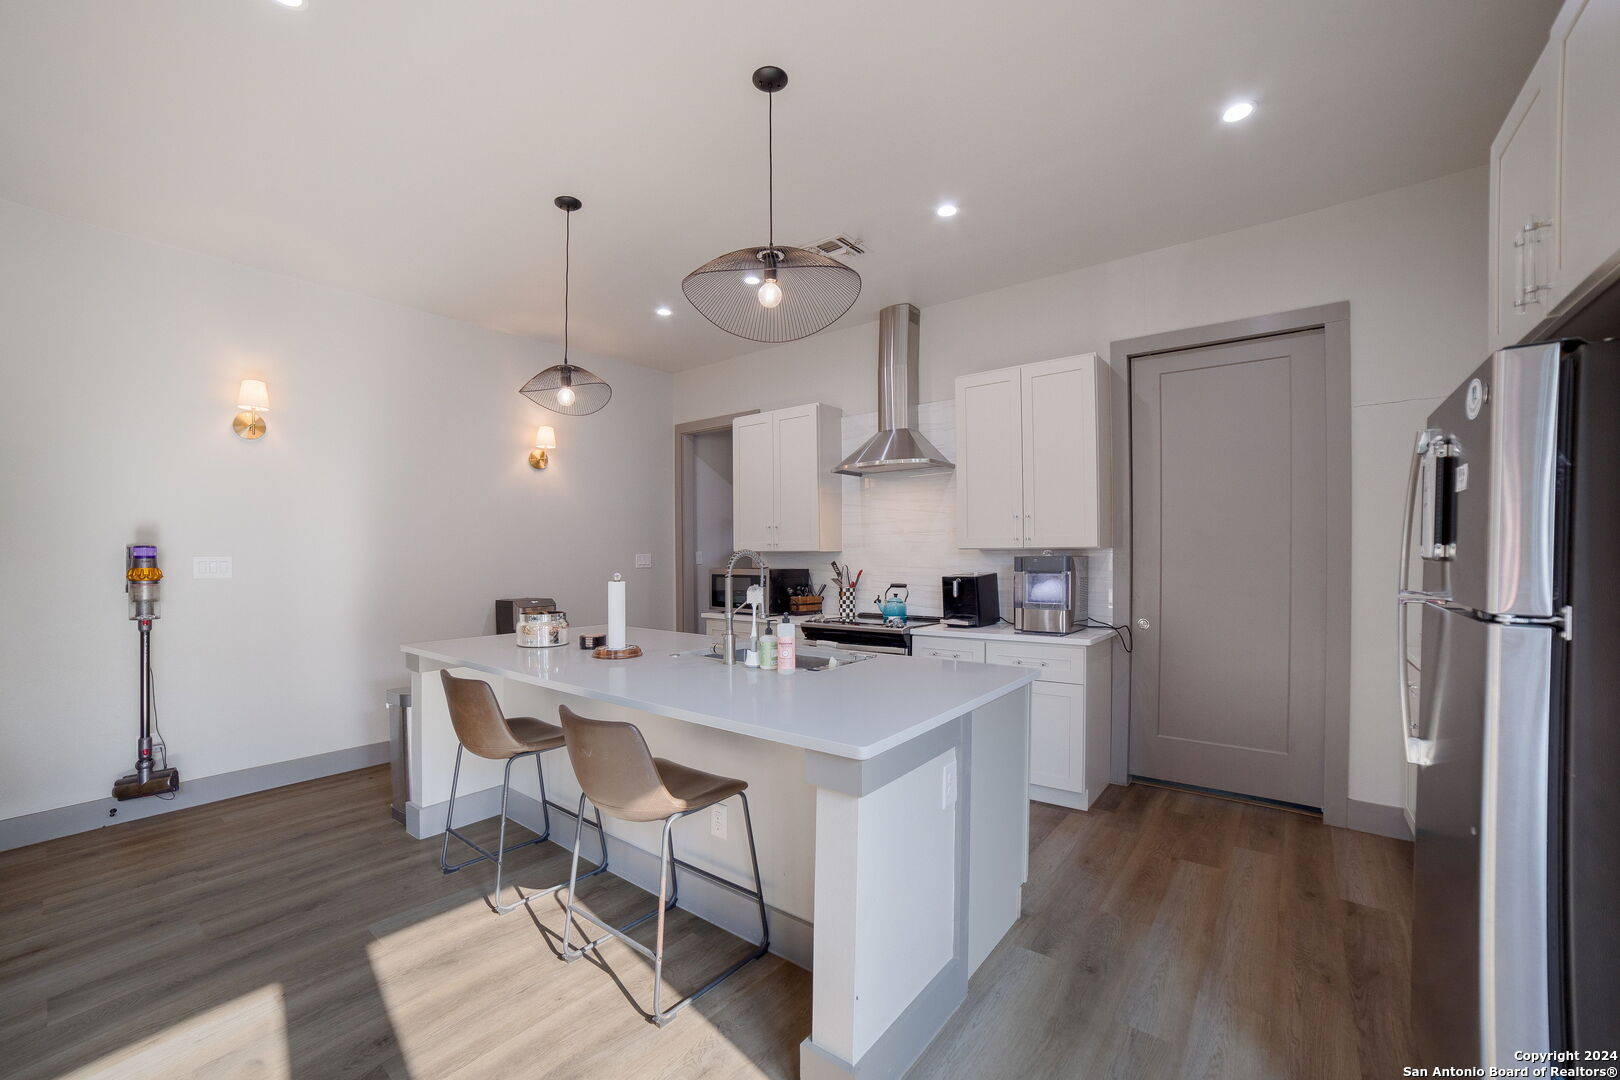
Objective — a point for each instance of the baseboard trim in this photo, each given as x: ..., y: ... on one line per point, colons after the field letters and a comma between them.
x: 1379, y: 819
x: 26, y: 829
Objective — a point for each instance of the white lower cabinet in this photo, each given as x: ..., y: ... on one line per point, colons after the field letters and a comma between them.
x: 1070, y: 711
x: 1057, y: 725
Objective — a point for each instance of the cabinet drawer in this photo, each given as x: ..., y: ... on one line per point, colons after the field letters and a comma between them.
x: 948, y: 650
x: 1056, y: 663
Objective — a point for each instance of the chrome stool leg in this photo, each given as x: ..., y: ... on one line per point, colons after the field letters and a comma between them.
x: 498, y: 856
x: 449, y: 826
x: 667, y: 862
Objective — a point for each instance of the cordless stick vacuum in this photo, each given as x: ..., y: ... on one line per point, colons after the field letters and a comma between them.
x: 141, y: 583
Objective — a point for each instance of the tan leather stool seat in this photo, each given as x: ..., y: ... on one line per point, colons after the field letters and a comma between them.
x: 534, y: 734
x: 693, y: 789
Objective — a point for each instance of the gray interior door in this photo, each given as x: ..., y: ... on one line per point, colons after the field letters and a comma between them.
x: 1228, y: 566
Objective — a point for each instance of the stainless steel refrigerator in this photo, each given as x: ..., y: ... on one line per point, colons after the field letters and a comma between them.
x: 1513, y: 515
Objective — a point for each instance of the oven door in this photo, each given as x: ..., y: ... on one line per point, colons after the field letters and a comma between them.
x: 848, y: 637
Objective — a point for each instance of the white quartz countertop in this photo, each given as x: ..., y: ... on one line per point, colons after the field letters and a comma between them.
x: 1003, y: 632
x: 858, y: 712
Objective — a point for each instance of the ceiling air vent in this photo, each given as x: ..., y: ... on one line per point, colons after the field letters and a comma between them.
x: 837, y: 245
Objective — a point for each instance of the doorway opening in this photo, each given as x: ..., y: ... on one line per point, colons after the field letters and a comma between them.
x: 703, y: 529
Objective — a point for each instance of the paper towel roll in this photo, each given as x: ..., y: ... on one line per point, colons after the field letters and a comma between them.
x: 616, y: 613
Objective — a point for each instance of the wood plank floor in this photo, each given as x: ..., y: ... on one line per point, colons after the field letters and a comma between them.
x: 301, y: 933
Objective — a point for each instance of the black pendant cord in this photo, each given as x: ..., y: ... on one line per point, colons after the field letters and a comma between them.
x: 568, y: 259
x: 770, y: 175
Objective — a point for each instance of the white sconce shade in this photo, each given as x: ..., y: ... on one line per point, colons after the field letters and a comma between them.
x: 545, y: 438
x: 254, y: 394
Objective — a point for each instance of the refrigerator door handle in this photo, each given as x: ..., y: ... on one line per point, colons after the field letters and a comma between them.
x: 1419, y: 751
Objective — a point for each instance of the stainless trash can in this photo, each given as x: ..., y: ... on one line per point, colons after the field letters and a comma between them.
x: 399, y: 748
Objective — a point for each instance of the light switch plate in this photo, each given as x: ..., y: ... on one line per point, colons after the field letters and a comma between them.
x: 211, y: 566
x: 643, y: 562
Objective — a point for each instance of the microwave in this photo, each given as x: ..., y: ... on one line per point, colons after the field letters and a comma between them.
x: 782, y: 581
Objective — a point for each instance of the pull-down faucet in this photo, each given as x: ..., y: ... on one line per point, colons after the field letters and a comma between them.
x: 730, y: 641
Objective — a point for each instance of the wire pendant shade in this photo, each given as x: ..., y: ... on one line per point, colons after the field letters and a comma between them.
x: 816, y: 291
x: 772, y: 293
x: 567, y: 388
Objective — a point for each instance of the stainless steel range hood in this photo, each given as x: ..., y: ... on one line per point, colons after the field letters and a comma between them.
x: 898, y: 446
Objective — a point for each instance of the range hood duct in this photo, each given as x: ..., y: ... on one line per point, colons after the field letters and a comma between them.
x: 898, y: 446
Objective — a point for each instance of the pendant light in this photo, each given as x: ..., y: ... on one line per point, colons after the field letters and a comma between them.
x: 772, y: 293
x: 567, y: 388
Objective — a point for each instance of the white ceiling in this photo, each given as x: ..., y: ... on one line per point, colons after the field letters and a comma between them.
x: 410, y: 149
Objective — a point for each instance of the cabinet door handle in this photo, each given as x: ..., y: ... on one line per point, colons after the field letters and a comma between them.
x: 1030, y: 663
x: 1527, y: 243
x: 1018, y: 531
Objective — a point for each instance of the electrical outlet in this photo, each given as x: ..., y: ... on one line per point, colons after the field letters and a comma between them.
x: 717, y: 820
x: 947, y: 788
x: 643, y: 562
x: 211, y: 566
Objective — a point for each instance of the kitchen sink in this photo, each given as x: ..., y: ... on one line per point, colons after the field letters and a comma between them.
x: 808, y: 659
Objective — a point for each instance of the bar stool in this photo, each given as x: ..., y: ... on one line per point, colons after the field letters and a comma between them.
x: 620, y: 776
x: 482, y: 728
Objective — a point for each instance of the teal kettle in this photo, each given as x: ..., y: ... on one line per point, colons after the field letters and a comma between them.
x: 893, y: 602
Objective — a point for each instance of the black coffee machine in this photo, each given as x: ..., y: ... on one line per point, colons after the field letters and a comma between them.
x: 971, y: 599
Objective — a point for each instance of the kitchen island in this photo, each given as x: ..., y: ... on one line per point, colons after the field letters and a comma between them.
x: 889, y: 803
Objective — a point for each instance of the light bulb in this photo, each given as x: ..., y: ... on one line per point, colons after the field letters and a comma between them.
x: 565, y: 396
x: 770, y: 293
x: 1237, y: 111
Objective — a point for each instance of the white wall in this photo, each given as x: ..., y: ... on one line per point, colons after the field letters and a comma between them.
x: 1411, y: 262
x: 391, y: 501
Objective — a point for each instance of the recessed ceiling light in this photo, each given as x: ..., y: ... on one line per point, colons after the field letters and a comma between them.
x: 750, y: 279
x: 946, y: 210
x: 292, y: 3
x: 664, y: 312
x: 1237, y: 111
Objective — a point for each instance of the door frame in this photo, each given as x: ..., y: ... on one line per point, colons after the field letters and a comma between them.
x: 1334, y: 322
x: 685, y: 526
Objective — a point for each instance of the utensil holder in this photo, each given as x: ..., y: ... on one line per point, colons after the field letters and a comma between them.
x: 804, y: 605
x: 846, y: 604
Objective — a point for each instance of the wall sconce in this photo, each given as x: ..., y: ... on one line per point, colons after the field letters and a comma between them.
x: 253, y: 399
x: 544, y: 439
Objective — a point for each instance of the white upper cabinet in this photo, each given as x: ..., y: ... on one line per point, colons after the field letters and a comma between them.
x: 1555, y: 217
x: 1524, y: 229
x: 1065, y: 446
x: 1032, y: 456
x: 989, y: 460
x: 785, y: 496
x: 753, y: 481
x: 1586, y: 40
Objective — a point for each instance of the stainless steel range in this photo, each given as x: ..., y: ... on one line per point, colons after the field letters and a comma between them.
x: 869, y: 632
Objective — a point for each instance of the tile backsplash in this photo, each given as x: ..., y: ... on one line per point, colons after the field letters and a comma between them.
x: 901, y: 527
